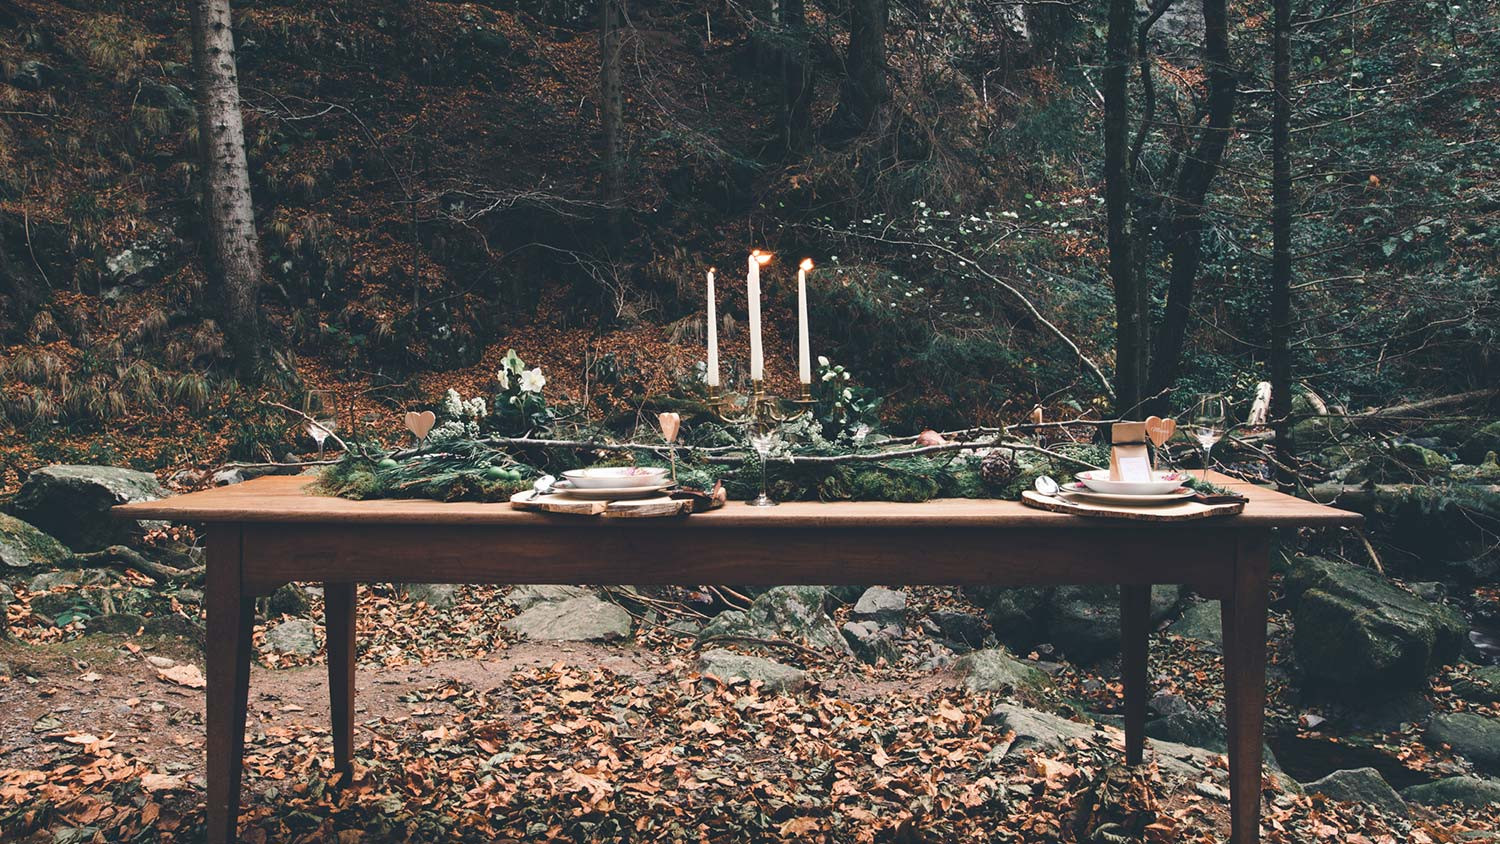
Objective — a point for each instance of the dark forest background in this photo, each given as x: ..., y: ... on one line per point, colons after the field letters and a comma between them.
x: 432, y: 183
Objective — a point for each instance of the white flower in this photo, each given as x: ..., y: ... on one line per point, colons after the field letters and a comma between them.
x: 503, y: 376
x: 453, y: 404
x: 532, y: 380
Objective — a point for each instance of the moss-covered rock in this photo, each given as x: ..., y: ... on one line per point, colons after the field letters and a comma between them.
x: 24, y: 548
x: 1471, y: 735
x: 1421, y: 460
x: 1354, y: 629
x: 72, y: 503
x: 995, y: 670
x: 792, y: 613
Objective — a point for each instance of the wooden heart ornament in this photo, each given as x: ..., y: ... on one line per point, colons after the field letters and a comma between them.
x: 1160, y: 430
x: 670, y: 423
x: 420, y: 423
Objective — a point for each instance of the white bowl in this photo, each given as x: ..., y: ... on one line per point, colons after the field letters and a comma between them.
x: 1163, y: 483
x: 615, y: 477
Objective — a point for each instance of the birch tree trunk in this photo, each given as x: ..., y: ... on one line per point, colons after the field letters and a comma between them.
x: 1132, y: 313
x: 235, y: 264
x: 1281, y: 241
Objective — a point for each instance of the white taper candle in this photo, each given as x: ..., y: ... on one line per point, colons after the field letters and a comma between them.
x: 804, y: 355
x: 752, y: 295
x: 712, y: 376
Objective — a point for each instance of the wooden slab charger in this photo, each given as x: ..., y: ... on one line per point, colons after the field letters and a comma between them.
x: 637, y: 508
x: 1180, y: 511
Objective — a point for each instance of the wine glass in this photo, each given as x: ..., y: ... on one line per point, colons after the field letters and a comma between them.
x: 1207, y: 423
x: 320, y: 409
x: 763, y: 441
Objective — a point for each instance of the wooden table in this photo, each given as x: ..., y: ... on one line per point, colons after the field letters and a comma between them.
x: 268, y: 532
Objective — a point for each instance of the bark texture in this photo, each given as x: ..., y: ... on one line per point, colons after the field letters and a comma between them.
x: 865, y: 90
x: 235, y: 262
x: 1132, y: 316
x: 1281, y: 241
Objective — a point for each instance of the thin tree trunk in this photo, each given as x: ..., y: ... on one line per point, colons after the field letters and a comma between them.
x: 796, y: 83
x: 1281, y: 242
x: 1131, y: 314
x: 226, y: 183
x: 1184, y: 232
x: 611, y: 109
x: 864, y: 91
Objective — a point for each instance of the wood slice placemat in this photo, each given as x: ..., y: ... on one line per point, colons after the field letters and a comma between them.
x: 637, y: 508
x: 1180, y: 511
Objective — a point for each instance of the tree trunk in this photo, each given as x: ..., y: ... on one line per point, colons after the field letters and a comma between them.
x: 864, y: 91
x: 1281, y: 243
x: 611, y: 109
x: 796, y: 81
x: 1183, y: 234
x: 1131, y: 303
x: 235, y: 262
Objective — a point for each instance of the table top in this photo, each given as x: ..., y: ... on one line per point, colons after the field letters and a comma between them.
x: 286, y: 499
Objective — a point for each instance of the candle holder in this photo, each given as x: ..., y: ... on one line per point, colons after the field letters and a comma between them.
x: 761, y: 416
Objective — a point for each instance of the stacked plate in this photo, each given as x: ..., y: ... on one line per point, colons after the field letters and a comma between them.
x: 613, y: 483
x: 1095, y: 486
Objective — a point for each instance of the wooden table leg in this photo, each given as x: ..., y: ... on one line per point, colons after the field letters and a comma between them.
x: 338, y: 608
x: 231, y: 614
x: 1135, y: 632
x: 1243, y: 618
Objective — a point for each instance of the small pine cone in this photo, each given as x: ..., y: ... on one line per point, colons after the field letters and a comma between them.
x: 999, y: 467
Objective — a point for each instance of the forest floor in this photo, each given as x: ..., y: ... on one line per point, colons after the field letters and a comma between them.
x: 464, y: 733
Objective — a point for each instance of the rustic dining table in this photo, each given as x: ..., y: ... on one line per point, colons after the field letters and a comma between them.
x: 267, y: 532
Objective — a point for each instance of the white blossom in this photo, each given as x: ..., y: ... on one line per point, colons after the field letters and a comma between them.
x: 503, y: 376
x: 532, y: 380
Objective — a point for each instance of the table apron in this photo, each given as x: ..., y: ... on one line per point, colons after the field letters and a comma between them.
x: 273, y: 554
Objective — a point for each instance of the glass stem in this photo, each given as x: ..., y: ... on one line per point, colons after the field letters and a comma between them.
x: 1205, y: 463
x: 763, y: 476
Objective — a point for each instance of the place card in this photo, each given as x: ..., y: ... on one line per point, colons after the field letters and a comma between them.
x: 1128, y: 459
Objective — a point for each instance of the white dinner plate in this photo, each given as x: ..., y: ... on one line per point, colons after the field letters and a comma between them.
x: 1086, y: 494
x: 1162, y: 483
x: 604, y: 494
x: 616, y: 477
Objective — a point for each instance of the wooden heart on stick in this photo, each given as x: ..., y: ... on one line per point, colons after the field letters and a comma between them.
x: 671, y: 423
x: 420, y: 423
x: 1160, y: 430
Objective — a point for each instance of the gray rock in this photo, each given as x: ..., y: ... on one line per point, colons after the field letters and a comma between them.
x: 962, y: 628
x: 873, y: 642
x: 1048, y: 733
x: 1482, y: 685
x: 793, y: 613
x: 585, y: 618
x: 72, y: 503
x: 294, y: 636
x: 1016, y: 615
x: 882, y: 604
x: 290, y: 599
x: 525, y: 597
x: 1472, y: 736
x: 34, y: 76
x: 227, y: 477
x: 1196, y: 729
x: 1084, y: 621
x: 1354, y: 629
x: 1469, y: 792
x: 49, y: 580
x: 438, y: 596
x: 137, y: 265
x: 1360, y: 785
x: 995, y: 670
x: 165, y: 95
x: 1167, y: 703
x: 732, y: 667
x: 1200, y: 622
x: 123, y: 623
x: 24, y: 548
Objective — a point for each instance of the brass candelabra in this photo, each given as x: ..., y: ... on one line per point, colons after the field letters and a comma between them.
x: 760, y: 416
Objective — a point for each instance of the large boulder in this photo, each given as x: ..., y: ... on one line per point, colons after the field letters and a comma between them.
x: 1468, y: 792
x: 1471, y: 735
x: 1014, y: 613
x: 995, y: 670
x: 1481, y: 685
x: 525, y: 597
x: 732, y: 667
x: 1354, y: 629
x: 791, y: 613
x: 1200, y: 621
x: 882, y: 605
x: 580, y: 619
x: 294, y: 636
x: 24, y: 549
x: 1048, y: 733
x: 1364, y: 786
x: 1084, y: 621
x: 72, y: 503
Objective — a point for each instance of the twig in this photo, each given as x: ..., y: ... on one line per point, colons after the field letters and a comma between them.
x: 119, y: 556
x: 311, y: 421
x: 1370, y: 549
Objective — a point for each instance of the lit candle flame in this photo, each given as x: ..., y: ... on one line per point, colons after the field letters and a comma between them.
x: 806, y: 264
x: 760, y: 257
